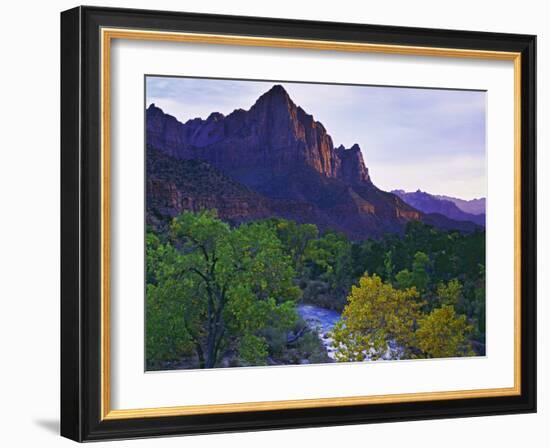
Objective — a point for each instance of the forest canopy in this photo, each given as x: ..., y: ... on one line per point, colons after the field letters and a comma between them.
x: 218, y: 295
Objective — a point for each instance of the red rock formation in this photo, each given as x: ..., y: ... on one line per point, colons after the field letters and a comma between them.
x: 274, y: 134
x: 272, y: 160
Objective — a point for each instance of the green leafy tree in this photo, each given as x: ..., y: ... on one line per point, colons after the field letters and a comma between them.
x: 442, y: 333
x: 166, y: 335
x: 478, y: 307
x: 227, y: 284
x: 418, y: 277
x: 420, y: 268
x: 330, y: 259
x: 389, y: 267
x: 450, y: 293
x: 367, y: 256
x: 295, y: 239
x: 404, y: 279
x: 376, y: 313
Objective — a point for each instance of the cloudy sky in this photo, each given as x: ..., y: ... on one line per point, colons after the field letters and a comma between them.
x: 428, y: 139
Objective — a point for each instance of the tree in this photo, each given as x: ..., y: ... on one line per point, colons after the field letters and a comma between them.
x: 368, y: 256
x: 375, y: 315
x: 388, y: 265
x: 442, y: 333
x: 330, y: 260
x: 228, y: 285
x: 477, y: 306
x: 420, y: 267
x: 450, y: 293
x: 295, y: 239
x: 404, y: 279
x: 166, y: 337
x: 418, y: 277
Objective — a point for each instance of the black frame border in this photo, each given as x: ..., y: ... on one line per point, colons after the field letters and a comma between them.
x: 81, y: 223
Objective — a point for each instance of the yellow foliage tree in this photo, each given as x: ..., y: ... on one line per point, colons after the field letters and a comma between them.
x: 376, y: 313
x: 442, y: 333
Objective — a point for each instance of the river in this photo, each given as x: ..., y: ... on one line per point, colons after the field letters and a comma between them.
x: 320, y: 320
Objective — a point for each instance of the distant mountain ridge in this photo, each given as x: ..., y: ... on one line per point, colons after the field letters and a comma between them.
x: 429, y: 203
x: 474, y: 206
x: 283, y: 159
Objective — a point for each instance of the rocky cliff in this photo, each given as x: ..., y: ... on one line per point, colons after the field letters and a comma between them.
x: 274, y: 159
x: 274, y: 135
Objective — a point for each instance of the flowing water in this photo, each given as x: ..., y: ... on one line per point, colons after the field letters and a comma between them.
x: 322, y: 321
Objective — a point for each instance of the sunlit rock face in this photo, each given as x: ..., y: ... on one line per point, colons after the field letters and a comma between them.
x: 274, y: 134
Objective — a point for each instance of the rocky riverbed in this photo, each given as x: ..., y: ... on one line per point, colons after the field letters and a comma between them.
x: 321, y: 321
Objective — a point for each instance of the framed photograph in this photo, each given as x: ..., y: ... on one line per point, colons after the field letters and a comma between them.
x: 273, y: 223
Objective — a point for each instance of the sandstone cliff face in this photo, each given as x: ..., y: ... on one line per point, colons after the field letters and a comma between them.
x: 352, y: 167
x: 273, y: 136
x: 175, y: 185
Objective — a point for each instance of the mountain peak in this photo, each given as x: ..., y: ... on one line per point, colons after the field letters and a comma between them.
x: 353, y: 169
x: 277, y: 96
x: 277, y: 89
x: 215, y: 116
x: 153, y: 108
x: 275, y: 134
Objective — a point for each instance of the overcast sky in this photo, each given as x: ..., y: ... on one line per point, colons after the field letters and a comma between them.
x: 428, y: 139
